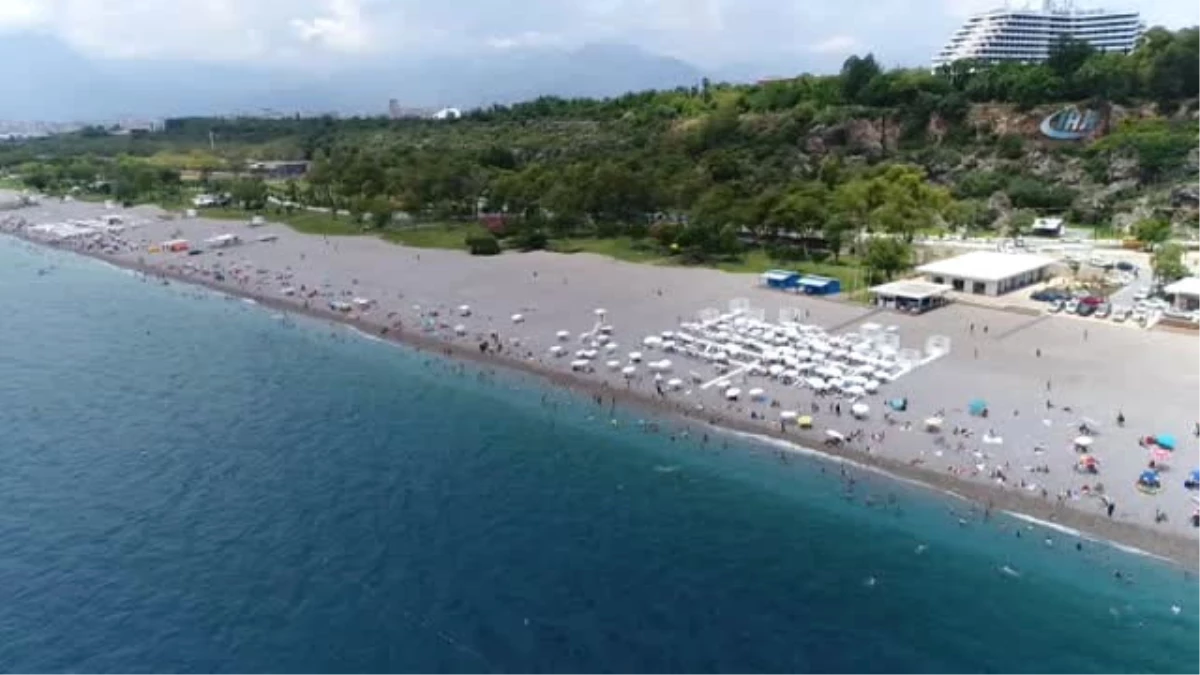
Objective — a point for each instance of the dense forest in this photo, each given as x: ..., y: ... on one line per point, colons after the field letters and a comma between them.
x: 799, y: 165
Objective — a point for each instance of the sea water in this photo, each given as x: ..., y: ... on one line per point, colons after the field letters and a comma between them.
x: 192, y: 483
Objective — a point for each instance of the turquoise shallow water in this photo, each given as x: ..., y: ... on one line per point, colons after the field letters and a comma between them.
x: 188, y: 483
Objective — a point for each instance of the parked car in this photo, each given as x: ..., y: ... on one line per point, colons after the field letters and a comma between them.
x: 1071, y: 306
x: 1141, y: 295
x: 1126, y: 266
x: 1049, y: 295
x: 1093, y: 300
x: 1057, y: 306
x: 1085, y: 309
x: 1104, y: 311
x: 1120, y: 314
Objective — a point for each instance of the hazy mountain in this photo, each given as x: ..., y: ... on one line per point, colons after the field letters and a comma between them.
x: 44, y: 79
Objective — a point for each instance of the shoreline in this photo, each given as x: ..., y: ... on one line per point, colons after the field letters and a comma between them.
x: 1126, y: 536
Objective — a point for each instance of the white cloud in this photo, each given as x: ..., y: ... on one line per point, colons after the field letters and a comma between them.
x: 837, y: 44
x: 529, y: 38
x: 342, y: 29
x: 21, y: 14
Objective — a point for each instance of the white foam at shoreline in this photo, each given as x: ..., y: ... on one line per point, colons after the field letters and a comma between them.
x: 1063, y: 529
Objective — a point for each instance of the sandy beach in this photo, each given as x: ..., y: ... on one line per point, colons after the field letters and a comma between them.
x: 1040, y: 375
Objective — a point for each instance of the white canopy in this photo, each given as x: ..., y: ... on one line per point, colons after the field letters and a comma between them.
x: 1084, y: 441
x: 675, y: 383
x: 460, y: 329
x: 787, y: 415
x: 518, y: 318
x: 635, y: 356
x: 464, y: 310
x: 629, y: 371
x: 558, y: 350
x: 613, y: 365
x: 732, y: 393
x: 563, y: 335
x: 836, y: 435
x: 860, y: 409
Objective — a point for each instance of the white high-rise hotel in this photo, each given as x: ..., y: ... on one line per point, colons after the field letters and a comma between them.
x: 1025, y: 35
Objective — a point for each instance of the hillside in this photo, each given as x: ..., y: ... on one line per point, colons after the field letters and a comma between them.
x: 702, y: 173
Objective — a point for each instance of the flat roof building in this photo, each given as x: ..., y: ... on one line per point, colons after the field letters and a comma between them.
x: 1185, y: 293
x: 911, y: 295
x: 988, y: 272
x: 1047, y: 227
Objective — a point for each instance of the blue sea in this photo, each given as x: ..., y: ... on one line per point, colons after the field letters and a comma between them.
x: 189, y: 482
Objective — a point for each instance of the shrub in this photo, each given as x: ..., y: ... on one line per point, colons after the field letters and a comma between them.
x: 483, y: 244
x: 530, y: 240
x: 1010, y: 146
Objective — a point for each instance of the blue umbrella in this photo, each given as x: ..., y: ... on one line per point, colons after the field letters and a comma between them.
x: 1148, y: 477
x: 977, y: 406
x: 1166, y: 441
x: 1194, y: 476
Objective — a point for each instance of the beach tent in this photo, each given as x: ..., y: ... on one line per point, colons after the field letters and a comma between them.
x: 1165, y: 441
x: 977, y: 407
x: 898, y: 404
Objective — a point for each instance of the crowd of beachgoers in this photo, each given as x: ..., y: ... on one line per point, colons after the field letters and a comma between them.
x: 1096, y: 430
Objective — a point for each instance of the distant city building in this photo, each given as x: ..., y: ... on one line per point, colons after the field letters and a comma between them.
x: 397, y: 111
x: 1026, y: 35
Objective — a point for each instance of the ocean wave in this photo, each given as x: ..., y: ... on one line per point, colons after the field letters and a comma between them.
x: 363, y: 334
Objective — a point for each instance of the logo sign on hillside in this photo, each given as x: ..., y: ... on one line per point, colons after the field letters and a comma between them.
x: 1070, y: 124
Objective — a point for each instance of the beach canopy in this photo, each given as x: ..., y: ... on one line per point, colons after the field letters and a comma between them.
x: 1166, y: 441
x: 1083, y: 441
x: 805, y: 422
x: 977, y: 406
x: 835, y: 435
x: 732, y: 393
x: 860, y: 409
x: 756, y: 393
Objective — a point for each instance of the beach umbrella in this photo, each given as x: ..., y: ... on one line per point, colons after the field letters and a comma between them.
x: 835, y: 435
x: 993, y: 440
x: 464, y: 310
x: 1149, y: 477
x: 755, y: 393
x: 933, y: 424
x: 635, y: 356
x: 668, y: 335
x: 775, y: 370
x: 1160, y: 455
x: 1165, y: 441
x: 1088, y: 461
x: 613, y: 365
x: 1083, y: 441
x: 610, y: 347
x: 805, y: 422
x: 675, y: 383
x: 579, y: 364
x: 665, y: 364
x: 977, y: 406
x: 1193, y: 479
x: 871, y: 386
x: 602, y: 339
x: 460, y: 329
x: 828, y: 371
x: 652, y: 341
x: 563, y: 335
x: 558, y: 350
x: 629, y: 371
x: 732, y: 393
x: 518, y: 318
x: 898, y: 404
x: 860, y: 409
x: 600, y: 311
x: 855, y: 390
x: 787, y: 415
x: 816, y: 383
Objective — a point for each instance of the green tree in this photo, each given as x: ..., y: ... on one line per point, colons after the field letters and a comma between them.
x: 1167, y: 263
x: 1067, y: 54
x: 887, y: 256
x: 857, y: 74
x: 1152, y: 230
x: 249, y: 193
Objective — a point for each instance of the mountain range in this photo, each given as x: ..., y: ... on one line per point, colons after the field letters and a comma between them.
x: 44, y: 79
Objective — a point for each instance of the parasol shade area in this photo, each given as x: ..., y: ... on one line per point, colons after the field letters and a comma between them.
x: 1084, y: 441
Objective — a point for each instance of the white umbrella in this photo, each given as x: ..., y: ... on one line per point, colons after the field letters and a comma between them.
x: 652, y: 341
x: 855, y: 379
x: 460, y: 329
x: 1084, y: 441
x: 588, y: 353
x: 558, y: 350
x: 675, y: 383
x: 464, y: 310
x: 787, y: 415
x: 518, y: 318
x: 816, y: 383
x: 635, y: 356
x: 993, y: 440
x: 828, y: 371
x: 563, y: 335
x: 629, y: 371
x: 835, y: 435
x: 668, y: 335
x: 775, y: 370
x: 871, y: 386
x: 602, y: 339
x: 860, y: 409
x: 933, y: 423
x: 732, y: 393
x: 855, y: 390
x: 756, y: 393
x: 613, y: 365
x: 600, y: 311
x: 610, y: 347
x: 579, y: 364
x: 665, y: 364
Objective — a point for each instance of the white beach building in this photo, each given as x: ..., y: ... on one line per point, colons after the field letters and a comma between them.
x: 988, y: 272
x: 1025, y: 35
x: 1185, y: 294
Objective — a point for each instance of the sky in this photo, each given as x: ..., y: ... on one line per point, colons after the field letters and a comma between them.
x: 776, y: 37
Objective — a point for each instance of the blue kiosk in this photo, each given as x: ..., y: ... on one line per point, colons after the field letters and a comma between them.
x: 812, y: 284
x: 783, y: 280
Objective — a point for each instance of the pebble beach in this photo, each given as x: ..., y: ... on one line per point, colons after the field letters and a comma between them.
x: 1040, y: 375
